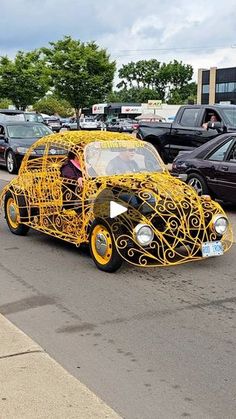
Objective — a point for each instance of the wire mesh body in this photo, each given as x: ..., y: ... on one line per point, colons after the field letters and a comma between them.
x: 180, y: 220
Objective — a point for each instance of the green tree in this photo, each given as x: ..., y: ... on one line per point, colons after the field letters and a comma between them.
x: 175, y: 76
x: 82, y: 72
x: 142, y: 74
x: 134, y: 94
x: 165, y: 80
x: 183, y: 94
x: 5, y: 103
x: 52, y: 104
x: 23, y: 80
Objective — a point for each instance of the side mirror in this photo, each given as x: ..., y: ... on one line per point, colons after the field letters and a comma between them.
x: 215, y: 125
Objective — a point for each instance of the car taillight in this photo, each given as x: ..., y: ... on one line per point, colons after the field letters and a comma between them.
x: 135, y: 126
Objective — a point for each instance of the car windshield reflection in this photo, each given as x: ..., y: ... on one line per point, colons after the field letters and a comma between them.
x: 28, y: 131
x: 119, y: 157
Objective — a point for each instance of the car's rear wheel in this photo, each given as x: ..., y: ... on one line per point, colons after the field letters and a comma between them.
x: 102, y: 247
x: 11, y: 162
x: 12, y: 215
x: 198, y: 183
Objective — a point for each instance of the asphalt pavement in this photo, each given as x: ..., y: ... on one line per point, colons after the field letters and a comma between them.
x: 151, y: 343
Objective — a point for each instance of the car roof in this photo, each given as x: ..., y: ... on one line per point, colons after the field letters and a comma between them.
x: 201, y: 151
x: 23, y: 123
x: 11, y: 111
x: 70, y: 139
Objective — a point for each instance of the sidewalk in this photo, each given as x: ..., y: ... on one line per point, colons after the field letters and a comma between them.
x: 33, y: 385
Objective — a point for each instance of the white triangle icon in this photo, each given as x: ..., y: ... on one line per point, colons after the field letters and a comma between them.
x: 116, y: 209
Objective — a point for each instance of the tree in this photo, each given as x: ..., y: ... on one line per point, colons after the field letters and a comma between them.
x: 51, y: 105
x: 183, y: 94
x: 5, y: 103
x: 81, y: 72
x: 134, y: 94
x: 163, y: 80
x: 142, y: 74
x: 23, y: 80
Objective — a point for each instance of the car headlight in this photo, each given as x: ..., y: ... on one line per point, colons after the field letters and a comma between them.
x: 22, y: 150
x: 179, y: 165
x: 220, y: 224
x: 144, y: 234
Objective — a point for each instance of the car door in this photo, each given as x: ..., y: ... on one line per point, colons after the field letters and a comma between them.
x: 183, y: 131
x: 187, y: 133
x: 223, y: 179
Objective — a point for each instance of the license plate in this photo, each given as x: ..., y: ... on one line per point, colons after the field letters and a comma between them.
x: 212, y: 249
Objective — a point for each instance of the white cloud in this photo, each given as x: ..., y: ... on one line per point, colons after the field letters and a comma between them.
x: 178, y: 29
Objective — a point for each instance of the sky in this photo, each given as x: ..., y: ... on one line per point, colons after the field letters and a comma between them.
x: 201, y: 33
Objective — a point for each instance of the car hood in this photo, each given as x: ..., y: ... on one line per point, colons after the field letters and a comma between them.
x: 180, y: 220
x: 161, y: 185
x: 22, y: 142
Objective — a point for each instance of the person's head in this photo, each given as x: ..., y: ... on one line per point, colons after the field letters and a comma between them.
x: 72, y: 156
x: 127, y: 154
x: 213, y: 118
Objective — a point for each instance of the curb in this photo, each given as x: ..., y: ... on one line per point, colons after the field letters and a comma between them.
x: 33, y: 385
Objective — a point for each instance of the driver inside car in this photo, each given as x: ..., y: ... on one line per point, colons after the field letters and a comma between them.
x: 123, y: 163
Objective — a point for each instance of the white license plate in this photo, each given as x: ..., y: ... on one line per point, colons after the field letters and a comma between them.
x: 212, y: 249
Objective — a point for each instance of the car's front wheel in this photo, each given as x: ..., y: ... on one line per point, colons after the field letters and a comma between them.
x: 102, y: 247
x: 198, y: 183
x: 11, y: 162
x: 12, y: 215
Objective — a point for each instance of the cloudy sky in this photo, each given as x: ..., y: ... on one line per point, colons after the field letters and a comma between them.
x: 199, y: 33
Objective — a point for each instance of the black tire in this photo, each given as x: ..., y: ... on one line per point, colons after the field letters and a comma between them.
x: 11, y: 164
x: 198, y: 183
x: 111, y: 261
x: 12, y: 215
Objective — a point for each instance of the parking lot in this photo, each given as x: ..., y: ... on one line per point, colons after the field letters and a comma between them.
x: 150, y: 342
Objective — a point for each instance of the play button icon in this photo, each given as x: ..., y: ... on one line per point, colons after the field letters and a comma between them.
x: 116, y: 209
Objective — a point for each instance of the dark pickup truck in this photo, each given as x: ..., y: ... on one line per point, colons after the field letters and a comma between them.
x: 191, y: 128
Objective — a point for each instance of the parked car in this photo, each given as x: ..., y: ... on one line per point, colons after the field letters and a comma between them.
x: 70, y: 124
x: 88, y: 123
x: 11, y: 115
x: 64, y: 121
x: 211, y: 168
x: 53, y: 122
x: 191, y: 127
x: 122, y: 125
x: 33, y: 117
x: 19, y: 115
x: 138, y: 212
x: 15, y: 140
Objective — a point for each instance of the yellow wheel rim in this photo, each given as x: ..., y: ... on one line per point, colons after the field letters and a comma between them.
x: 13, y: 213
x: 101, y: 244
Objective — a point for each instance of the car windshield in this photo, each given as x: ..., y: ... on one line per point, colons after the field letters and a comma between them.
x: 117, y: 157
x: 28, y: 131
x: 33, y: 117
x: 12, y: 117
x: 88, y: 120
x: 230, y: 115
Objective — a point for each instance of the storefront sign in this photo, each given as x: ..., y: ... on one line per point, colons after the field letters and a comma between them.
x: 154, y: 103
x: 131, y: 109
x: 99, y: 108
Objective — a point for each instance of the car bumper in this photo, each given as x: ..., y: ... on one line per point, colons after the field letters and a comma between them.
x: 158, y: 254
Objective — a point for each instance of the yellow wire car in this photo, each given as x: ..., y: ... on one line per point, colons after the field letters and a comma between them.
x: 128, y: 208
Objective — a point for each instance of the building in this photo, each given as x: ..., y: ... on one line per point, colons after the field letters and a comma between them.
x: 217, y: 85
x: 132, y: 110
x: 117, y: 110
